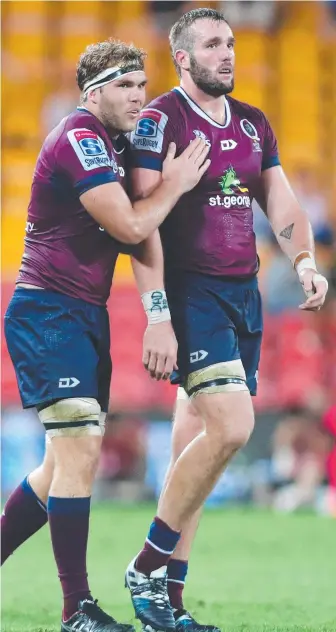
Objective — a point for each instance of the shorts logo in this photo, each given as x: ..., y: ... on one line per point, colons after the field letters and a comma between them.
x: 197, y: 356
x: 232, y: 190
x: 89, y: 148
x: 149, y: 132
x: 251, y: 131
x: 68, y: 382
x: 226, y: 145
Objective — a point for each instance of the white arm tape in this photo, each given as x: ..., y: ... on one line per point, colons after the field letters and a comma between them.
x: 156, y: 306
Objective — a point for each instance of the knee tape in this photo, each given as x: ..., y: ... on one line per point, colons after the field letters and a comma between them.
x: 73, y: 417
x: 181, y: 394
x: 217, y: 378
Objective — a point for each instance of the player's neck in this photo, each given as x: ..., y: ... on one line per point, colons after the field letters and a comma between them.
x: 212, y: 106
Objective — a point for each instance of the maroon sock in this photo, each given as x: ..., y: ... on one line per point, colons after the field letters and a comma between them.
x: 177, y: 572
x: 160, y: 544
x: 69, y: 527
x: 24, y: 514
x: 175, y: 594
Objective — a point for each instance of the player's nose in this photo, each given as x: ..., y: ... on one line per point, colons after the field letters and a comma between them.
x: 136, y: 97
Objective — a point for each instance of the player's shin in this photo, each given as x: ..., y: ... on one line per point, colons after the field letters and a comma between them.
x: 187, y: 425
x: 177, y: 571
x: 229, y: 422
x: 23, y: 515
x: 73, y: 426
x: 25, y: 511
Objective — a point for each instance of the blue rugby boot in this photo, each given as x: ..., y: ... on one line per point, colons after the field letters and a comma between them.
x: 150, y: 599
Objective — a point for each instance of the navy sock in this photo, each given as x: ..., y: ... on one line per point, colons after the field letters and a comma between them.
x: 69, y: 527
x: 23, y: 515
x: 159, y: 546
x: 177, y: 571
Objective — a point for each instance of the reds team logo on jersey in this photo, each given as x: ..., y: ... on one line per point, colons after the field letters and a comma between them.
x: 251, y: 131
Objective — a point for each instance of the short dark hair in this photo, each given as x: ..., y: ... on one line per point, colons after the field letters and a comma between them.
x: 111, y: 52
x: 180, y: 36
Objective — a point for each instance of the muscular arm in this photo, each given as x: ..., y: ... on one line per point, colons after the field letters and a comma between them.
x: 129, y: 223
x: 294, y: 234
x: 289, y: 221
x: 110, y: 206
x: 160, y: 346
x: 147, y: 260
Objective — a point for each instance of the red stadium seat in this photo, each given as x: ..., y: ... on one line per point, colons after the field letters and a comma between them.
x: 300, y: 358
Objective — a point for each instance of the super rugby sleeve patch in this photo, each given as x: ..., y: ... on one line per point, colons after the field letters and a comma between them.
x: 89, y: 149
x: 149, y: 132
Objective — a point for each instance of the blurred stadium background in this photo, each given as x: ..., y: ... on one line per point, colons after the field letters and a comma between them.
x: 286, y: 65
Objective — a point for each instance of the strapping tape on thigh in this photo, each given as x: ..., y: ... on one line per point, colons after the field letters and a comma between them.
x: 217, y: 378
x: 72, y: 417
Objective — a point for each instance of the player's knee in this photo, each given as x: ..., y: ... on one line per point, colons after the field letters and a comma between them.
x: 74, y: 427
x: 229, y: 419
x: 222, y: 399
x: 239, y: 431
x: 187, y: 423
x: 48, y: 462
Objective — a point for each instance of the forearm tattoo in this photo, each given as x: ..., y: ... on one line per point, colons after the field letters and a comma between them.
x: 287, y: 232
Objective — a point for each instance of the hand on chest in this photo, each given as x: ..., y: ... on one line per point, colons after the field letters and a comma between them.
x: 235, y: 154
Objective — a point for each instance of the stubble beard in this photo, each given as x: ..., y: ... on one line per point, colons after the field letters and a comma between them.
x: 205, y: 82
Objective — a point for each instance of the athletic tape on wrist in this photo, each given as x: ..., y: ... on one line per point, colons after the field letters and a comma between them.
x: 303, y: 261
x: 156, y: 306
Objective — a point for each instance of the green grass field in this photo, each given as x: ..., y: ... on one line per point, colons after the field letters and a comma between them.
x: 250, y: 571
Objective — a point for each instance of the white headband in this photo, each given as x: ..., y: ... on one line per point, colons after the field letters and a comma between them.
x: 106, y: 76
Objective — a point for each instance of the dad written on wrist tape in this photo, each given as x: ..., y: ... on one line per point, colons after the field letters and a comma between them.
x: 156, y: 306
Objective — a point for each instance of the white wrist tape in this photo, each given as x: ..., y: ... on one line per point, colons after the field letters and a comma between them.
x: 156, y: 306
x: 306, y: 263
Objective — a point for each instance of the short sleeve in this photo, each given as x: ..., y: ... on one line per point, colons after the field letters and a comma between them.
x: 82, y: 155
x: 270, y: 157
x: 151, y: 138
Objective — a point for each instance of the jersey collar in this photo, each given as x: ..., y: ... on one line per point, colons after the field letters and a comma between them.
x: 201, y: 112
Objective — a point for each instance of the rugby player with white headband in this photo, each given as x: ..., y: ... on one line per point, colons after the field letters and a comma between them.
x: 57, y: 325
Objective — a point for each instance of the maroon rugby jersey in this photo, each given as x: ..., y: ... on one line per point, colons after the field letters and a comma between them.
x: 65, y: 249
x: 210, y: 230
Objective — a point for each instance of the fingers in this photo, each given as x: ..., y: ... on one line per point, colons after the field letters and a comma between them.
x: 199, y: 154
x: 196, y: 143
x: 204, y: 167
x: 307, y: 284
x: 316, y: 296
x: 151, y: 367
x: 309, y: 308
x: 168, y: 367
x: 145, y: 358
x: 160, y: 367
x: 314, y: 302
x: 171, y: 151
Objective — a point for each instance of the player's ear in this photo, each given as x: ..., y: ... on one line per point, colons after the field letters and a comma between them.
x: 93, y: 96
x: 183, y: 59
